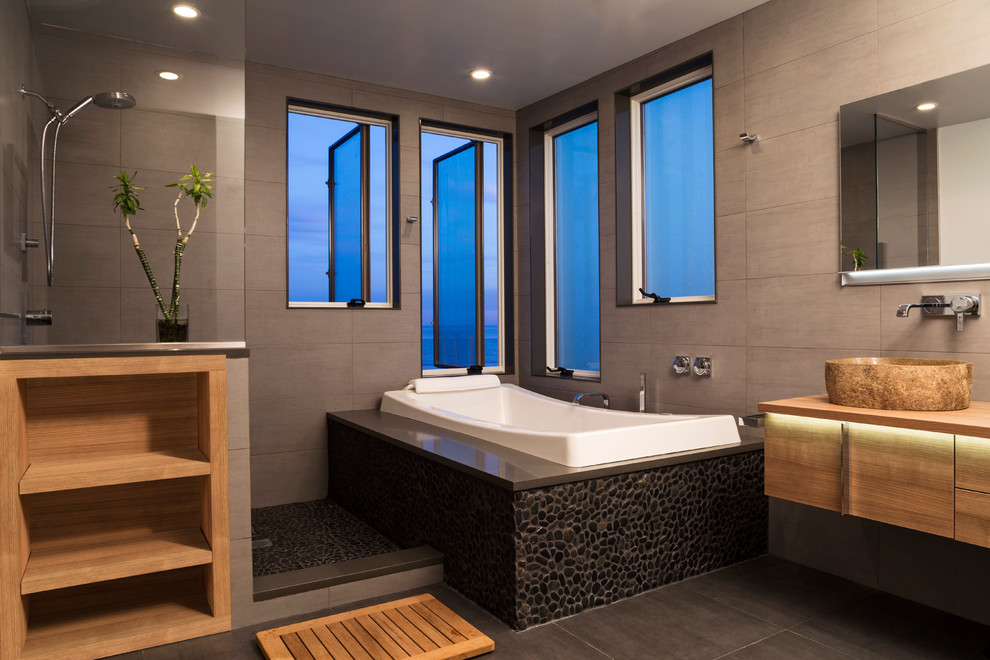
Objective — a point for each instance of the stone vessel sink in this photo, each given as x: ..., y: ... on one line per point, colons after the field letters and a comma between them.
x: 899, y: 383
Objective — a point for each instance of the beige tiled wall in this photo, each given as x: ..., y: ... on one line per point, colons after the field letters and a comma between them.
x: 101, y: 294
x: 781, y: 71
x: 305, y: 362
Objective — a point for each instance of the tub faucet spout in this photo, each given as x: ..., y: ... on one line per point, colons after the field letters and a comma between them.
x: 604, y: 397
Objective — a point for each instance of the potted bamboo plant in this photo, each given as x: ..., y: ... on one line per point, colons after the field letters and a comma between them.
x: 194, y: 186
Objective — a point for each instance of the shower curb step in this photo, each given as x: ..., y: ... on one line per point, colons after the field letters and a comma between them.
x: 267, y: 587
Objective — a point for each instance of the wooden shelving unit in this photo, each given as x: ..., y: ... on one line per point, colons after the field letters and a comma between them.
x: 113, y: 504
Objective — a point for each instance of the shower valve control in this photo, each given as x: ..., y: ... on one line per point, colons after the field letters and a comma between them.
x: 24, y: 242
x: 702, y: 366
x: 682, y: 364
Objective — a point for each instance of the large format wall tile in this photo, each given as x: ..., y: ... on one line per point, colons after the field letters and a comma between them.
x: 811, y: 311
x: 290, y: 371
x: 784, y: 30
x: 796, y: 239
x: 288, y: 477
x: 797, y: 167
x: 808, y: 91
x: 948, y: 39
x: 721, y: 323
x: 894, y: 11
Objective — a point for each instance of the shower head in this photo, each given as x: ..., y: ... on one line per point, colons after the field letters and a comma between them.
x: 111, y: 100
x: 115, y: 100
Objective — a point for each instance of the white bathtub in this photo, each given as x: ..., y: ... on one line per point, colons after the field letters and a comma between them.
x: 576, y: 436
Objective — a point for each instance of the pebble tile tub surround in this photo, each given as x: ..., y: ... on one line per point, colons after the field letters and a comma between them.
x: 536, y: 554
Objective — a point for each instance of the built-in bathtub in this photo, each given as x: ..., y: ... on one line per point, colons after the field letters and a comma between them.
x: 562, y: 432
x: 532, y: 540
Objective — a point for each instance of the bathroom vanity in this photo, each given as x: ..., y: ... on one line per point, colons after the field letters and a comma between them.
x: 927, y: 471
x: 114, y: 531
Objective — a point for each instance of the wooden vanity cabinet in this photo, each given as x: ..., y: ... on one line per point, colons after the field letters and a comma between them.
x: 114, y: 533
x: 803, y: 460
x: 903, y: 479
x: 928, y: 471
x: 973, y: 490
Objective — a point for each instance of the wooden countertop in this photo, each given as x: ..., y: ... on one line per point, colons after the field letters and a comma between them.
x: 974, y: 421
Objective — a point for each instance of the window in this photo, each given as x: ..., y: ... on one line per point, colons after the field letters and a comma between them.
x: 571, y: 244
x: 665, y: 157
x: 341, y: 199
x: 464, y: 243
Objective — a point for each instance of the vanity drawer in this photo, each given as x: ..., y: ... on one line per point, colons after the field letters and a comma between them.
x: 973, y: 463
x: 973, y: 517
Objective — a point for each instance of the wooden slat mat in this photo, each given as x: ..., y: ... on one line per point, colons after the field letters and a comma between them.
x: 419, y: 627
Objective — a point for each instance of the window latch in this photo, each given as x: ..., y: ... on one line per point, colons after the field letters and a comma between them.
x: 355, y: 302
x: 656, y: 298
x: 474, y: 369
x: 560, y: 371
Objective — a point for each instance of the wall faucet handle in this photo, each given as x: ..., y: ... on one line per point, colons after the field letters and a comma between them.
x: 965, y: 304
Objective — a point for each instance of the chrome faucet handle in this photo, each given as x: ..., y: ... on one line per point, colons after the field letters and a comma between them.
x: 963, y: 304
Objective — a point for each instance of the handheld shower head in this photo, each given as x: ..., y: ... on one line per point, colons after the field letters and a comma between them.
x: 66, y: 116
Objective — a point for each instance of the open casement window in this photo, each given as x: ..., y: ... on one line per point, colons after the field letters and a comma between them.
x: 463, y: 244
x: 571, y: 217
x: 341, y: 209
x: 458, y: 258
x: 665, y: 174
x: 350, y: 222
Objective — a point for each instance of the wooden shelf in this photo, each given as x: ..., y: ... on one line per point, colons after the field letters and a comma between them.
x: 114, y: 530
x: 57, y: 568
x: 51, y: 476
x: 115, y: 617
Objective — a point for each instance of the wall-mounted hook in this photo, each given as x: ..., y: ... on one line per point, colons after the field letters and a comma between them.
x: 411, y: 219
x: 749, y: 139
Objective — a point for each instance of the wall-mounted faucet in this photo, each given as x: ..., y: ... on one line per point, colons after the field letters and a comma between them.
x: 605, y: 401
x: 958, y: 305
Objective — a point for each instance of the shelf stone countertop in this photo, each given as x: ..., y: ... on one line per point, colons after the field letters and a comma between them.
x: 973, y: 421
x: 232, y: 349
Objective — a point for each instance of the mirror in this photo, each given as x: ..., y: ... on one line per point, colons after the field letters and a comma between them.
x: 913, y: 182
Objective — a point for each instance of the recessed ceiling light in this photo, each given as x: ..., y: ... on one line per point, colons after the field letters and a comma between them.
x: 926, y: 106
x: 481, y: 74
x: 185, y: 11
x: 167, y: 75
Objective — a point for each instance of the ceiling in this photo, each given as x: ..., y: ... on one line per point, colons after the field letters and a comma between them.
x: 535, y: 48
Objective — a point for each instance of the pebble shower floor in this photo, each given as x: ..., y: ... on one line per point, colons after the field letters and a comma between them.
x: 291, y: 537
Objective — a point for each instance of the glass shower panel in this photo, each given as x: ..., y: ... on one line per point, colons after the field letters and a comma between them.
x: 455, y: 270
x: 576, y: 214
x: 679, y: 193
x: 346, y: 217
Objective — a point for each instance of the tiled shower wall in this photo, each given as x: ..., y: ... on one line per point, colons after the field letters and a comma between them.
x: 17, y: 146
x: 306, y: 362
x: 101, y: 294
x: 781, y: 71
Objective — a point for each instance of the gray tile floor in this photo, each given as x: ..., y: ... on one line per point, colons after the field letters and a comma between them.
x: 766, y: 609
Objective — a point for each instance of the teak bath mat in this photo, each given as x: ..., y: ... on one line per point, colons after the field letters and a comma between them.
x: 418, y: 627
